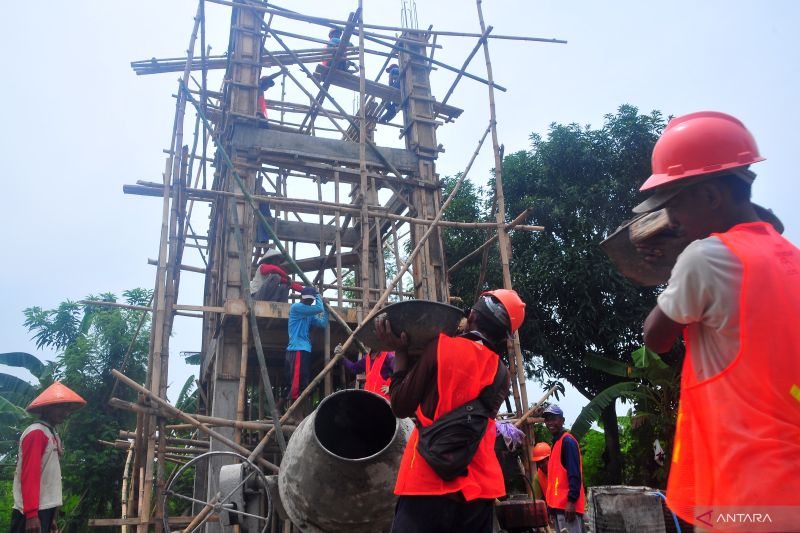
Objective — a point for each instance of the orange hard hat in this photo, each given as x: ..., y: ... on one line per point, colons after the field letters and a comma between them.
x: 540, y: 451
x: 513, y: 305
x: 56, y: 394
x: 700, y: 143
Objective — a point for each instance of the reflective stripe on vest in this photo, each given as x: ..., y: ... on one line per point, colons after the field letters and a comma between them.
x: 558, y: 481
x: 464, y: 367
x: 745, y: 421
x: 374, y: 380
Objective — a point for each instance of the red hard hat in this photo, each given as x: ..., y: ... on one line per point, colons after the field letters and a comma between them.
x: 700, y: 143
x: 513, y: 305
x: 55, y: 394
x: 540, y: 451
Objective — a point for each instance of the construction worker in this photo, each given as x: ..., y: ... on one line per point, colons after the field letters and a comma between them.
x: 378, y: 367
x: 539, y: 456
x: 37, y: 479
x: 449, y: 372
x: 264, y: 83
x: 390, y: 110
x: 270, y: 282
x: 564, y: 495
x: 734, y: 294
x: 334, y: 38
x: 309, y: 311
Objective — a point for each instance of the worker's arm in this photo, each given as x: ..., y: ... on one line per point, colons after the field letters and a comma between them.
x: 302, y: 309
x: 33, y: 447
x: 697, y: 280
x: 660, y: 331
x: 570, y: 455
x: 412, y: 382
x: 321, y: 319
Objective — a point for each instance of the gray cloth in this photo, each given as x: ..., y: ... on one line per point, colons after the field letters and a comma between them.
x: 272, y: 290
x: 560, y: 523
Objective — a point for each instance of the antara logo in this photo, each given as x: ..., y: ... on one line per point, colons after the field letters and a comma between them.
x: 709, y: 518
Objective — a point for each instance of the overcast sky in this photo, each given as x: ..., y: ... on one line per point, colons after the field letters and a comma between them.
x: 78, y: 123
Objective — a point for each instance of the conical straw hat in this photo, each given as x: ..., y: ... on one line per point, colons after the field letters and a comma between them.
x: 57, y: 393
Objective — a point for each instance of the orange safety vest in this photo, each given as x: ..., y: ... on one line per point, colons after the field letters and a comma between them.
x: 558, y: 481
x: 374, y: 380
x: 542, y: 477
x: 262, y: 105
x: 464, y: 367
x: 745, y: 421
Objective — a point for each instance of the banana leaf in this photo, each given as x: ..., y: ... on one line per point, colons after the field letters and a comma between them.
x: 591, y: 413
x: 22, y: 360
x: 16, y: 390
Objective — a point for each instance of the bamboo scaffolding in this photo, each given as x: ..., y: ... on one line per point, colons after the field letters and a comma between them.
x: 376, y: 308
x: 177, y: 413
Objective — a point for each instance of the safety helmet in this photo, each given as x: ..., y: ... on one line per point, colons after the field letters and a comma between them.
x: 335, y: 32
x: 393, y: 66
x: 540, y: 451
x: 513, y: 305
x: 268, y: 255
x: 56, y: 394
x: 700, y: 143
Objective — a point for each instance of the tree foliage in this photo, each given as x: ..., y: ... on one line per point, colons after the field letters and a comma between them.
x: 90, y: 341
x: 582, y: 183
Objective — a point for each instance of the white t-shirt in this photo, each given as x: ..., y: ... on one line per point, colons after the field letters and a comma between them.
x: 703, y: 293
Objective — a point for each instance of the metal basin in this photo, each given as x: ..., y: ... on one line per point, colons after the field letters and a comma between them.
x: 422, y: 320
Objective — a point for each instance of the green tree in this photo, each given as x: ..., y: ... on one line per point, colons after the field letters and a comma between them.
x: 582, y: 183
x: 90, y: 341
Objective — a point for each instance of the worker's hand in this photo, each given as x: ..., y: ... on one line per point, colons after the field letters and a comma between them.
x: 32, y: 525
x: 569, y: 512
x: 338, y: 349
x: 385, y: 389
x: 383, y: 330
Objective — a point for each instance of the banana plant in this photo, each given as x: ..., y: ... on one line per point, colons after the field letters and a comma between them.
x: 649, y: 379
x: 16, y: 394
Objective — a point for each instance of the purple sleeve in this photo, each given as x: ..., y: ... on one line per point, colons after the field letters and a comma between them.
x: 388, y: 366
x: 354, y: 368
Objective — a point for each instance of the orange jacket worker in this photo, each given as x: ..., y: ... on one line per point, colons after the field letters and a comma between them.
x: 734, y: 294
x: 450, y: 372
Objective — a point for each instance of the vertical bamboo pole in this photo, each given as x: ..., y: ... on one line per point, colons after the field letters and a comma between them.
x: 241, y: 400
x: 362, y: 161
x: 339, y: 288
x: 515, y: 355
x: 159, y: 300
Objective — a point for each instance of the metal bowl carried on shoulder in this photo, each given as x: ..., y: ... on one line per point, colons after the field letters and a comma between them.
x: 422, y: 320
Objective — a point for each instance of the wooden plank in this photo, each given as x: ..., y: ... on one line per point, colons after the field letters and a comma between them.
x: 309, y: 264
x: 280, y: 310
x: 385, y: 92
x: 267, y: 142
x: 291, y: 230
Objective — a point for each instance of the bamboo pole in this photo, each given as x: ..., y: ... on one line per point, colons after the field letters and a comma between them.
x: 124, y: 489
x: 511, y: 225
x: 191, y: 420
x: 328, y: 22
x: 362, y: 158
x: 517, y: 366
x: 242, y: 395
x: 465, y: 65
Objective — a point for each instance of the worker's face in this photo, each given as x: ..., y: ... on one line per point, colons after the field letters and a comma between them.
x: 56, y: 414
x: 554, y: 423
x: 543, y: 464
x: 696, y: 211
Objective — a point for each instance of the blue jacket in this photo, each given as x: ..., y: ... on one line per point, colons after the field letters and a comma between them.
x: 301, y: 318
